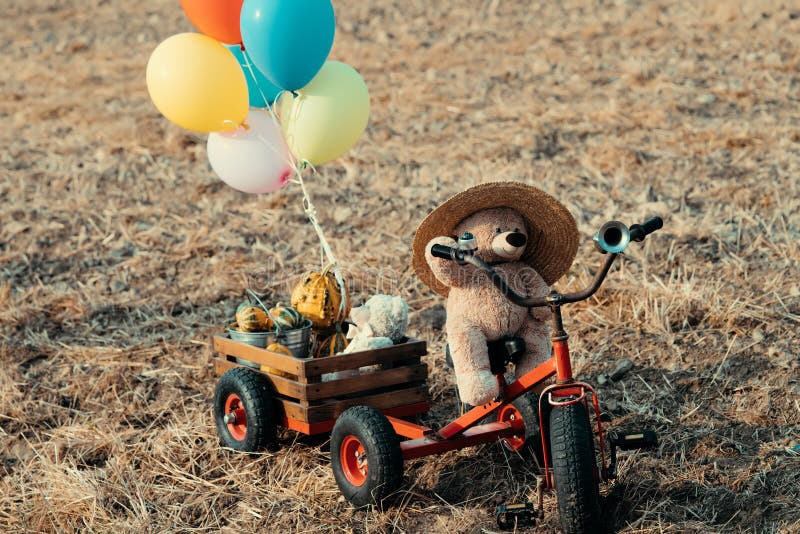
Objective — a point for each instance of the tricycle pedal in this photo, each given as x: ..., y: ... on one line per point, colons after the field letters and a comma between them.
x: 627, y: 441
x: 515, y: 516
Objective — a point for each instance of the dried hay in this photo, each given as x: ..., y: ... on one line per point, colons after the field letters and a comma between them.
x: 120, y: 253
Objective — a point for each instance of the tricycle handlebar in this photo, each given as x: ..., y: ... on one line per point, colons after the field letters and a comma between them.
x: 640, y: 231
x: 637, y: 233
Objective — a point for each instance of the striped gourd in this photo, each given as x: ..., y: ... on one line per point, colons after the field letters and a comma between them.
x: 286, y: 318
x: 252, y: 319
x: 333, y: 344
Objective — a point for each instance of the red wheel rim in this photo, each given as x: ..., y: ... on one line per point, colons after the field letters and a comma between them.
x: 506, y: 414
x: 354, y: 461
x: 238, y: 427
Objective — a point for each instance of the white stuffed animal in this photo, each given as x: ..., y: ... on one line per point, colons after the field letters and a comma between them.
x: 380, y: 322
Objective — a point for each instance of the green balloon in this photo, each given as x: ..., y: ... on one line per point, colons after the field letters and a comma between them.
x: 327, y: 116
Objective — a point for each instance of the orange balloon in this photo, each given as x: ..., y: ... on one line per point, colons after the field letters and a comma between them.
x: 216, y: 18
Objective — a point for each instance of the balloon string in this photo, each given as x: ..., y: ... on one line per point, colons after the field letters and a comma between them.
x: 249, y: 64
x: 311, y: 213
x: 308, y: 206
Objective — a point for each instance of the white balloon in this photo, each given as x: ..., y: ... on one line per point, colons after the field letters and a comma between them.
x: 254, y: 158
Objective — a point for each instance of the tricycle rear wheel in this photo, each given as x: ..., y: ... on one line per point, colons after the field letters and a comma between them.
x: 524, y: 407
x: 365, y: 456
x: 574, y: 469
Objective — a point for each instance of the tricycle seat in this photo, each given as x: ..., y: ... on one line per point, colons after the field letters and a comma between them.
x: 501, y: 352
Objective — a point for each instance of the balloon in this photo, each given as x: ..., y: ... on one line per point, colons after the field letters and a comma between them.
x: 216, y: 18
x: 259, y: 87
x: 197, y: 84
x: 288, y: 40
x: 328, y: 115
x: 254, y: 158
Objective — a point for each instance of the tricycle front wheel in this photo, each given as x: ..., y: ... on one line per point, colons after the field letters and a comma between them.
x: 365, y: 456
x: 574, y: 469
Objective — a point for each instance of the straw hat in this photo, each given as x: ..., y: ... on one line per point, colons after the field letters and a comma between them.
x: 552, y: 239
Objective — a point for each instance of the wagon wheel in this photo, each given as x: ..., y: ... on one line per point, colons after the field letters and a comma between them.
x: 365, y: 456
x: 244, y: 410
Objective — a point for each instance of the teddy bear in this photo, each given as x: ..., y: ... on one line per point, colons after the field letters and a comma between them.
x: 530, y: 239
x: 380, y: 322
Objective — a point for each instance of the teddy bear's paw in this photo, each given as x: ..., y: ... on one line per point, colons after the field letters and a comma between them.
x: 478, y: 387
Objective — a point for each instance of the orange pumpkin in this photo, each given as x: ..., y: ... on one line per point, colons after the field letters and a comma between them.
x: 317, y: 296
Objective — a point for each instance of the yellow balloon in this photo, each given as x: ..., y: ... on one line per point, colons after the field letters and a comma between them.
x: 327, y: 116
x: 196, y: 83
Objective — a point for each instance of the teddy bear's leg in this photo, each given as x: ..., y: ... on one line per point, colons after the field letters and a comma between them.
x: 476, y: 383
x: 537, y: 346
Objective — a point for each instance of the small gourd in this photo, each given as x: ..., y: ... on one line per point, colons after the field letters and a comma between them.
x: 252, y: 319
x: 318, y: 297
x: 333, y: 344
x: 286, y: 318
x: 281, y: 349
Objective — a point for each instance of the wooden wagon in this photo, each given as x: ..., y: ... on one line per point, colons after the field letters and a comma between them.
x: 259, y: 389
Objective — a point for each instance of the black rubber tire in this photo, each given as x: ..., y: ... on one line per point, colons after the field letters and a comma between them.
x: 528, y: 407
x: 382, y: 448
x: 572, y: 454
x: 254, y: 390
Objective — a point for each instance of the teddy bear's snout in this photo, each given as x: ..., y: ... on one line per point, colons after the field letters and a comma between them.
x: 516, y: 239
x: 509, y: 245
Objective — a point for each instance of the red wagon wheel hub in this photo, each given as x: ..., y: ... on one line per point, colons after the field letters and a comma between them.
x: 354, y: 461
x: 236, y: 417
x: 509, y: 414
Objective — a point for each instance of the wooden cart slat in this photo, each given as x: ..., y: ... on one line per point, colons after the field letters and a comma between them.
x: 309, y: 402
x: 341, y: 387
x: 284, y: 386
x: 331, y: 410
x: 276, y: 360
x: 367, y: 381
x: 342, y: 362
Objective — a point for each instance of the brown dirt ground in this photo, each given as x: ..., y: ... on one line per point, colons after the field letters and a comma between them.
x: 121, y: 253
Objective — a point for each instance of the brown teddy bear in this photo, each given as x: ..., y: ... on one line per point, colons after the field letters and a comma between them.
x: 530, y: 239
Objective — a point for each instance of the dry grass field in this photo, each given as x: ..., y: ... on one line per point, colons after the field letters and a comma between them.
x: 121, y: 254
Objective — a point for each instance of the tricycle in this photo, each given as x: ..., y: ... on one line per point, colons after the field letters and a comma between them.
x: 370, y: 440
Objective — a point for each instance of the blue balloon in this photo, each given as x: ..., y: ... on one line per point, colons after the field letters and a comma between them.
x: 288, y: 40
x: 258, y: 88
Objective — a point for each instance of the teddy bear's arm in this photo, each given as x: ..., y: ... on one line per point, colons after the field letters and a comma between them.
x: 535, y: 286
x: 447, y: 272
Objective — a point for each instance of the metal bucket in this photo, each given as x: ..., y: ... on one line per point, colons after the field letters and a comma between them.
x: 256, y: 339
x: 297, y: 339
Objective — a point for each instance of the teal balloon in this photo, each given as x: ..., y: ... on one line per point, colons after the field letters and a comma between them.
x: 288, y: 40
x: 258, y: 87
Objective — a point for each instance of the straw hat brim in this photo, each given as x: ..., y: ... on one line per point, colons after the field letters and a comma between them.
x: 553, y: 233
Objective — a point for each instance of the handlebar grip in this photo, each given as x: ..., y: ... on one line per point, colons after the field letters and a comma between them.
x: 639, y: 231
x: 443, y: 251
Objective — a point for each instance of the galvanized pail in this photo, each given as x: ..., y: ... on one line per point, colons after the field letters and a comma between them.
x: 297, y: 339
